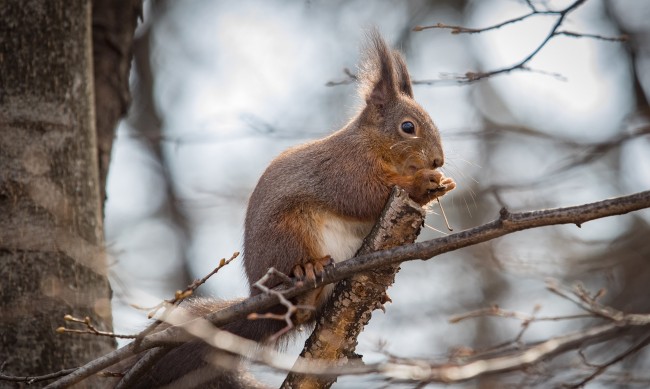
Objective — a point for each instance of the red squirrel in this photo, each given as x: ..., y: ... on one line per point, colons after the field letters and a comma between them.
x: 316, y: 202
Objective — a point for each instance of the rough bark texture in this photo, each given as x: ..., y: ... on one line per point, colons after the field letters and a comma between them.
x: 51, y: 257
x: 114, y: 22
x: 353, y: 300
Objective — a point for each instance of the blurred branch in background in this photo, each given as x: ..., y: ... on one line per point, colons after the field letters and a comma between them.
x: 578, y: 154
x: 164, y: 207
x: 114, y: 23
x: 523, y: 64
x: 473, y: 76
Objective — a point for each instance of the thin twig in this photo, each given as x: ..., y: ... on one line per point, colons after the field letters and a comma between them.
x: 468, y: 30
x: 351, y: 77
x: 588, y: 303
x: 620, y: 38
x: 499, y: 312
x: 90, y: 329
x: 444, y: 216
x: 291, y: 308
x: 470, y: 77
x: 179, y: 296
x: 602, y: 368
x: 33, y: 379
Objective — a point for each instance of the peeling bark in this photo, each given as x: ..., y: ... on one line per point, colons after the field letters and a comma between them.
x: 350, y: 308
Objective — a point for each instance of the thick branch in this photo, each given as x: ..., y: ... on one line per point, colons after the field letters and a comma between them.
x: 349, y: 308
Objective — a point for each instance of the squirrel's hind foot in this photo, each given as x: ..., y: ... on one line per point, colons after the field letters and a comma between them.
x: 311, y: 269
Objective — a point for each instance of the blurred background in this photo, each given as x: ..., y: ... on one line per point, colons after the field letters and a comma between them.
x: 221, y: 87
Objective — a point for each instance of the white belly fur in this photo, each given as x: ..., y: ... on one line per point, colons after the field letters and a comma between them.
x: 341, y: 238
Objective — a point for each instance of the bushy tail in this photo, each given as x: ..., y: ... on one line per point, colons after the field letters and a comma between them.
x: 197, y: 365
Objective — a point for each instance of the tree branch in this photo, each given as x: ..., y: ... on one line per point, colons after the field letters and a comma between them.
x: 470, y: 77
x: 602, y: 368
x: 465, y: 371
x: 34, y: 379
x: 507, y: 223
x: 349, y: 308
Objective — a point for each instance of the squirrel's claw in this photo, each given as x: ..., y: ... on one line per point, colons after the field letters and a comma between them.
x: 429, y: 184
x: 312, y: 269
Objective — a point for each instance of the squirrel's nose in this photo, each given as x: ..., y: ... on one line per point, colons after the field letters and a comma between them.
x: 438, y: 162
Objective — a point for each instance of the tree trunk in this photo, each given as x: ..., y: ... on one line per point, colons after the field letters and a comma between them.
x: 51, y: 247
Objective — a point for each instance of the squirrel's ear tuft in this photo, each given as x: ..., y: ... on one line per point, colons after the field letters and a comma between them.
x: 403, y: 78
x: 377, y: 74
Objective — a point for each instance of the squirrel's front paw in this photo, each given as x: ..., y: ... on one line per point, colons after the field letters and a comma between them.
x: 429, y: 184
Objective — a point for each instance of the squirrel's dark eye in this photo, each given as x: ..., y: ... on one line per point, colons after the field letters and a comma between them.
x: 408, y: 127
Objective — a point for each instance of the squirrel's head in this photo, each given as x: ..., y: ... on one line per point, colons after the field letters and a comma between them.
x: 397, y: 126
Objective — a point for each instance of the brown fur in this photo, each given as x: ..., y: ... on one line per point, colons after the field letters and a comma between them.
x: 349, y: 173
x: 344, y: 179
